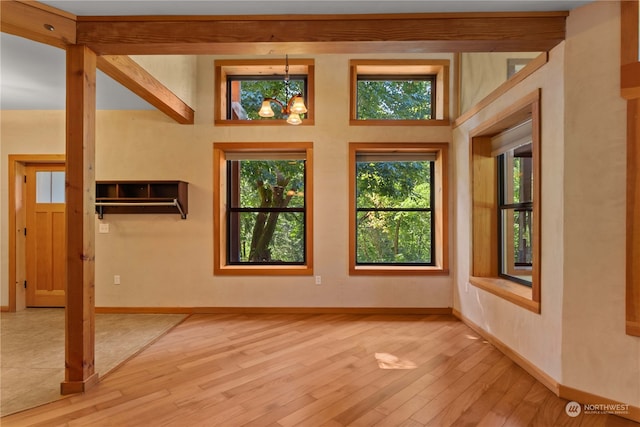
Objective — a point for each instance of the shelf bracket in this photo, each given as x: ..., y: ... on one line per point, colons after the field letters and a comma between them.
x: 174, y: 203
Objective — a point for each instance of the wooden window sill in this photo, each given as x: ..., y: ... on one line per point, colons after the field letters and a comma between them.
x: 511, y: 291
x: 385, y: 270
x: 434, y: 122
x: 221, y: 122
x: 264, y: 270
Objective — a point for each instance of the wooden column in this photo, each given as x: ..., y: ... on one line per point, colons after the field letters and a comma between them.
x: 633, y: 217
x: 80, y: 197
x: 630, y: 90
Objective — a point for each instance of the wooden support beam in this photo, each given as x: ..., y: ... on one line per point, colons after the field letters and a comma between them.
x: 132, y: 76
x: 80, y: 218
x: 630, y: 90
x: 41, y: 23
x: 295, y: 34
x: 633, y: 213
x: 38, y: 22
x: 630, y: 81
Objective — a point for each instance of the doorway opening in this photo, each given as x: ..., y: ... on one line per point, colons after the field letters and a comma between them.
x: 36, y: 231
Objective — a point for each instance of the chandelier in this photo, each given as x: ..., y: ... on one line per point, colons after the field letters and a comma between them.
x: 292, y: 108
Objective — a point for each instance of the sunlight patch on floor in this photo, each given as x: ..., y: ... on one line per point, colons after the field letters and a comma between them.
x: 389, y: 361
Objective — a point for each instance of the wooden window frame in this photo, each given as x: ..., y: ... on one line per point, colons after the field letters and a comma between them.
x: 509, y: 269
x: 220, y: 264
x: 484, y: 254
x: 437, y: 67
x: 440, y: 210
x: 257, y: 67
x: 630, y: 90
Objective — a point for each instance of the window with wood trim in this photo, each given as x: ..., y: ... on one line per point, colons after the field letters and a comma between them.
x: 397, y: 208
x: 505, y: 161
x: 514, y: 152
x: 399, y: 92
x: 242, y: 85
x: 263, y: 208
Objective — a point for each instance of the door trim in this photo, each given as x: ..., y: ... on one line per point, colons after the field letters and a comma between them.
x: 24, y: 159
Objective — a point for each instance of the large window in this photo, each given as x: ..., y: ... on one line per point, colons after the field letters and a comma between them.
x: 242, y: 85
x: 398, y: 198
x: 263, y: 209
x: 399, y: 92
x: 506, y: 204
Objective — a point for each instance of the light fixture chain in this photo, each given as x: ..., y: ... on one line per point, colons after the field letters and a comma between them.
x: 286, y: 77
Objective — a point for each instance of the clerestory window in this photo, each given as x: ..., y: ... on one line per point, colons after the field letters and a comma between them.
x: 242, y: 85
x: 399, y: 92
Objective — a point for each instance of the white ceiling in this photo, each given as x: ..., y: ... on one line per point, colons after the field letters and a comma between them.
x: 264, y: 7
x: 32, y: 75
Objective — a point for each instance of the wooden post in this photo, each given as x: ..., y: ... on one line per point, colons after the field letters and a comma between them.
x: 630, y: 90
x: 80, y: 198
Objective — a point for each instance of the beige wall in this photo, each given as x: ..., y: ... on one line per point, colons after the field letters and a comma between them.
x: 536, y: 337
x: 33, y: 132
x: 579, y: 337
x: 164, y: 261
x: 482, y: 72
x: 165, y: 68
x: 597, y: 355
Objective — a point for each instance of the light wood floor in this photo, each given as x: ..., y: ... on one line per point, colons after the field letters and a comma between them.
x: 315, y: 370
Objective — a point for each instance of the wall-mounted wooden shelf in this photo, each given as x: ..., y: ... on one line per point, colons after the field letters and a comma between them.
x: 133, y: 197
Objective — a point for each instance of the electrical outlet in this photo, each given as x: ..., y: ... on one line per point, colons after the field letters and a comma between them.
x: 103, y: 228
x: 116, y: 279
x: 318, y: 280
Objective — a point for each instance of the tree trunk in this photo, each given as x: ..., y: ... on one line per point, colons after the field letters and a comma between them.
x: 265, y: 225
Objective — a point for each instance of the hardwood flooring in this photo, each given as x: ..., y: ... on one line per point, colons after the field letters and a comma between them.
x: 329, y: 370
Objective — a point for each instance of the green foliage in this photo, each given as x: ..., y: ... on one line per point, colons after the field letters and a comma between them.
x: 402, y: 235
x: 271, y: 236
x: 517, y: 188
x: 394, y: 100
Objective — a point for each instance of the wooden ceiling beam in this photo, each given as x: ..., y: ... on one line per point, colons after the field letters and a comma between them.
x: 128, y: 73
x: 305, y: 34
x: 41, y: 23
x: 38, y: 22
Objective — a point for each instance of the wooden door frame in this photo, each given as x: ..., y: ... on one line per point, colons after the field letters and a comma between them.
x: 14, y: 160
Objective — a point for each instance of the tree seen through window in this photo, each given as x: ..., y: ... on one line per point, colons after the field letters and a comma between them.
x: 266, y: 211
x: 395, y: 98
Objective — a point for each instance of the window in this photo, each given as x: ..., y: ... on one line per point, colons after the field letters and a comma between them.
x: 506, y: 204
x: 400, y: 92
x: 515, y: 213
x: 398, y: 97
x: 263, y: 208
x: 241, y: 86
x: 515, y: 65
x: 398, y: 208
x: 50, y: 187
x: 246, y: 93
